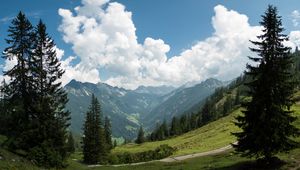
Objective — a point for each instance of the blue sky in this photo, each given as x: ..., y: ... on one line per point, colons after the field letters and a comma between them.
x: 180, y: 24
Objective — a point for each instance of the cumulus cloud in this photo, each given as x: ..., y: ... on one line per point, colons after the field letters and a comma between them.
x: 103, y: 36
x: 295, y: 17
x: 294, y: 39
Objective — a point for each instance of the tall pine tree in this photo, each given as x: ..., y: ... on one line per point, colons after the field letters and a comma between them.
x: 141, y: 136
x: 50, y: 122
x: 35, y: 98
x: 94, y: 150
x: 107, y: 133
x: 267, y: 120
x: 20, y: 88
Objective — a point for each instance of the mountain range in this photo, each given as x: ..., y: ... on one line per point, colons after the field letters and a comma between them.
x: 145, y: 106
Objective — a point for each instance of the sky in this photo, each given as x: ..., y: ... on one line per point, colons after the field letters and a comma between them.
x: 128, y: 43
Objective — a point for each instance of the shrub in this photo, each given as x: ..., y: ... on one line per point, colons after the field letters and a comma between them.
x: 160, y: 152
x: 45, y: 156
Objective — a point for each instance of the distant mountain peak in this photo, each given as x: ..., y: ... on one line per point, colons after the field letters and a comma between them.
x: 158, y: 90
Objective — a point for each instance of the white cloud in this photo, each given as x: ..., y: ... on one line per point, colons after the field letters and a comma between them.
x: 295, y: 17
x: 78, y: 72
x: 294, y: 39
x: 103, y: 36
x: 10, y: 63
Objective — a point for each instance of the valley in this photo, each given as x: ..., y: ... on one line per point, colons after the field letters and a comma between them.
x: 130, y: 109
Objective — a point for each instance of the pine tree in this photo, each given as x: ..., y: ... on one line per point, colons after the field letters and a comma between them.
x: 19, y: 90
x: 4, y: 109
x: 107, y: 133
x: 165, y: 129
x: 140, y: 137
x: 115, y: 143
x: 51, y: 120
x: 237, y: 97
x: 36, y: 100
x: 93, y: 140
x: 267, y: 118
x: 70, y: 143
x: 175, y: 127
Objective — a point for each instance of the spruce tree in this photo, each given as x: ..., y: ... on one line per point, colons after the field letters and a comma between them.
x: 175, y: 127
x: 140, y: 137
x: 165, y: 129
x: 267, y: 120
x: 93, y: 138
x: 36, y: 100
x: 107, y: 133
x: 70, y: 143
x: 19, y: 90
x: 115, y: 143
x: 51, y: 120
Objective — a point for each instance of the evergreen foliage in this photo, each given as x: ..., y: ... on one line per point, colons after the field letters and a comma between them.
x: 115, y: 143
x: 20, y: 89
x: 107, y: 133
x: 34, y: 98
x: 141, y: 136
x: 94, y: 150
x: 267, y: 120
x: 70, y: 143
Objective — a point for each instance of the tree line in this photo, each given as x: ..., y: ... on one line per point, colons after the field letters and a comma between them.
x: 211, y: 110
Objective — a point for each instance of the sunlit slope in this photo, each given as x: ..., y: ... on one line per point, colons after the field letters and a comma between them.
x: 209, y: 137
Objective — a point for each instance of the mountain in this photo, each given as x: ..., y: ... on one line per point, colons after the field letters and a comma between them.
x: 180, y: 100
x: 159, y: 90
x: 129, y: 109
x: 122, y: 106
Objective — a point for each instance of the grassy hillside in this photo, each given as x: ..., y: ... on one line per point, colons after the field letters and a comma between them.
x: 212, y: 136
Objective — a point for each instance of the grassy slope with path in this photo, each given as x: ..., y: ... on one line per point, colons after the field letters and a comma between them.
x: 209, y: 137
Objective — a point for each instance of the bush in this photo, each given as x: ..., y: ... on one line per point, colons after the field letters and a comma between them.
x: 45, y: 156
x: 162, y: 151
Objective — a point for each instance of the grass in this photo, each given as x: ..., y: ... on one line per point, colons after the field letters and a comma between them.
x: 212, y: 136
x: 224, y: 161
x: 10, y: 161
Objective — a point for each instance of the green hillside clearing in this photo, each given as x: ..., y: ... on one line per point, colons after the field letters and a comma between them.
x: 209, y: 137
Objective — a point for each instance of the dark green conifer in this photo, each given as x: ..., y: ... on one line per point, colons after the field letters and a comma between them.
x: 70, y: 143
x: 267, y: 120
x: 94, y: 150
x: 107, y: 133
x: 141, y: 136
x: 20, y: 40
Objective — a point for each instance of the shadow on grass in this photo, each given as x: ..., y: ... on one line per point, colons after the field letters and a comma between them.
x: 255, y: 165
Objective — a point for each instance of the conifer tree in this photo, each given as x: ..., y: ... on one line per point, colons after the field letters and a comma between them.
x: 140, y: 137
x: 93, y: 140
x: 115, y: 143
x: 36, y: 100
x: 175, y: 127
x: 165, y: 129
x: 50, y: 120
x: 267, y: 120
x: 19, y: 90
x: 107, y: 133
x: 70, y: 143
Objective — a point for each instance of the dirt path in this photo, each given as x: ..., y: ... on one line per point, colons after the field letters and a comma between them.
x: 177, y: 158
x: 184, y: 157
